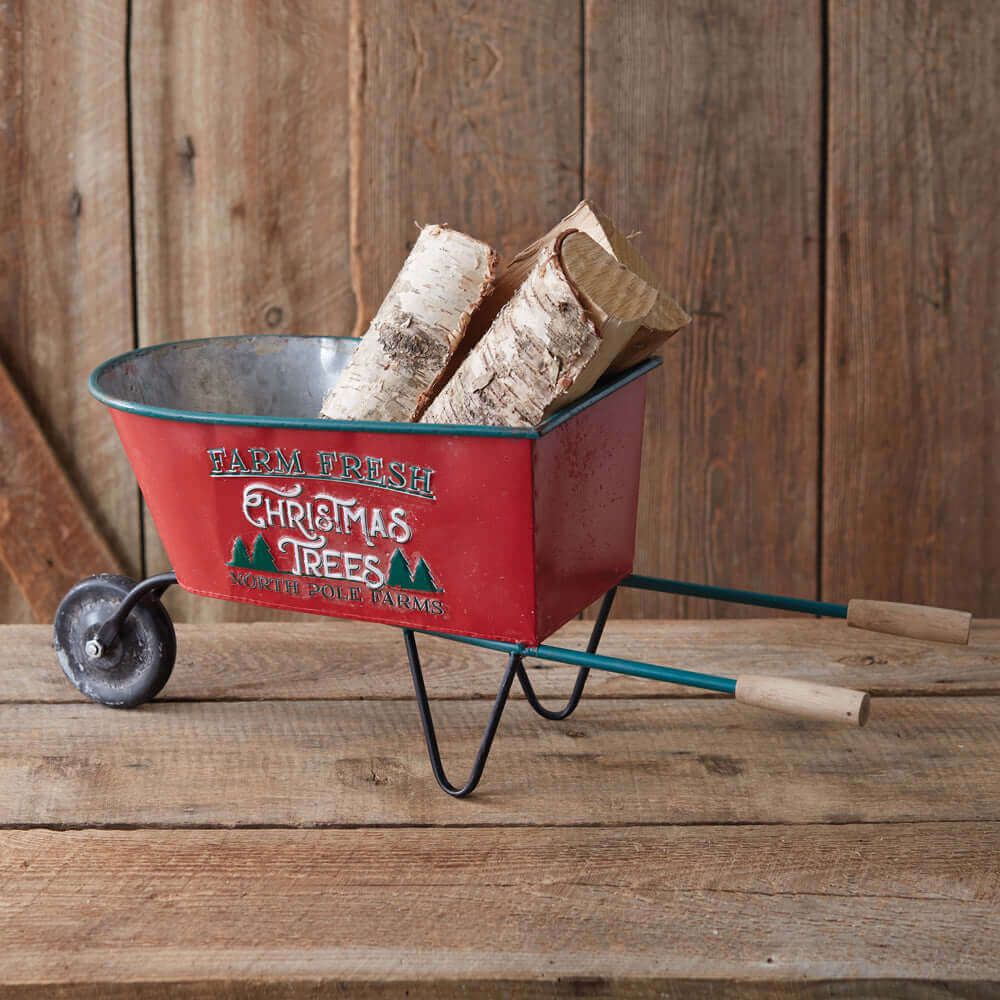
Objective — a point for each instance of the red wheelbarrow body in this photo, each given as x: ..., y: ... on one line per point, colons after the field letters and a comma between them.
x: 484, y: 535
x: 485, y: 532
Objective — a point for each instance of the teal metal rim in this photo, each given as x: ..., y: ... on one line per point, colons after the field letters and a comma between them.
x: 321, y: 424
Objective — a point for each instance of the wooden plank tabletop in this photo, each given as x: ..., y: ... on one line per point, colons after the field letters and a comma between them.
x: 270, y: 827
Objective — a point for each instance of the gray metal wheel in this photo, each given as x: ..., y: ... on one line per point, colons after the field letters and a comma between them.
x: 132, y: 669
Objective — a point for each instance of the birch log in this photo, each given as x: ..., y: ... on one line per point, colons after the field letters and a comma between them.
x: 416, y: 329
x: 532, y: 353
x: 552, y: 342
x: 663, y: 321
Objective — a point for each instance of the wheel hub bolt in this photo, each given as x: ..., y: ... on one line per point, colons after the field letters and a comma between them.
x: 94, y: 649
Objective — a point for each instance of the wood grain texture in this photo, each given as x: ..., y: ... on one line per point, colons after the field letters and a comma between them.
x: 703, y: 849
x: 912, y: 380
x: 65, y: 286
x: 915, y: 620
x: 609, y: 912
x: 804, y: 699
x: 702, y: 130
x: 48, y: 541
x: 309, y: 987
x: 241, y: 127
x: 467, y: 114
x: 307, y: 763
x: 351, y: 660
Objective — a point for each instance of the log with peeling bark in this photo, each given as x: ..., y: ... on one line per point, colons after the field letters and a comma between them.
x: 555, y: 337
x: 416, y: 329
x: 663, y: 321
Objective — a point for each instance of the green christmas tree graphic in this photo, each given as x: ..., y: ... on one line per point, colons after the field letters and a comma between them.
x: 262, y: 558
x: 401, y: 576
x: 422, y: 579
x: 399, y: 571
x: 241, y: 558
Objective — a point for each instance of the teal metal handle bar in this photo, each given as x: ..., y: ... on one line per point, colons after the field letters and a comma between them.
x: 634, y: 668
x: 913, y: 620
x: 631, y: 668
x: 802, y: 698
x: 797, y: 697
x: 822, y: 608
x: 783, y: 694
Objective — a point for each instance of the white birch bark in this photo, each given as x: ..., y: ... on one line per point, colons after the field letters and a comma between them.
x: 416, y: 329
x: 532, y: 353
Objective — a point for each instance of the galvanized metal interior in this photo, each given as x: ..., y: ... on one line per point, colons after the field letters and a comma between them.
x: 257, y: 376
x: 274, y: 380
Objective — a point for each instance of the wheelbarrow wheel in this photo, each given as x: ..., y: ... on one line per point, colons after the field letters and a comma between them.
x: 132, y: 669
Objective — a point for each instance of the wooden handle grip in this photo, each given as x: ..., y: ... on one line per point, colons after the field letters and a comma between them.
x: 914, y: 620
x: 803, y: 698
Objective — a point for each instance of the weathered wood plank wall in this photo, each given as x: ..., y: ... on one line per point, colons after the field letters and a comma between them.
x: 716, y: 157
x: 911, y: 478
x: 813, y: 181
x: 65, y: 258
x: 240, y: 126
x: 471, y: 118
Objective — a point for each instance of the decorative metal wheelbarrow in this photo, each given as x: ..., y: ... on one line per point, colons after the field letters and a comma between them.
x: 489, y: 536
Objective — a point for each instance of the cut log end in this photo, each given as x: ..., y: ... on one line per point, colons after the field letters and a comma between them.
x: 665, y: 317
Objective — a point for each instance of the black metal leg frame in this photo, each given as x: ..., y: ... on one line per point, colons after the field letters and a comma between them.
x: 515, y: 668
